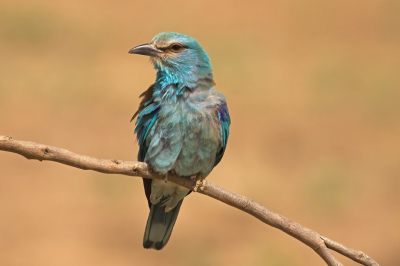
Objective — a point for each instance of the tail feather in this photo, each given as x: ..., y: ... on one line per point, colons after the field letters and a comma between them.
x: 159, y: 225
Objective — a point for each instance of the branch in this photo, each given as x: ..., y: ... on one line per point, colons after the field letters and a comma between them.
x: 317, y: 242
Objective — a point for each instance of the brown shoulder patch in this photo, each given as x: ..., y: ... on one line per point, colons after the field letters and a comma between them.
x: 147, y: 94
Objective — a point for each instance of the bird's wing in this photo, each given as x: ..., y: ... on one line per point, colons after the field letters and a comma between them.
x: 146, y: 117
x: 147, y: 95
x: 225, y: 120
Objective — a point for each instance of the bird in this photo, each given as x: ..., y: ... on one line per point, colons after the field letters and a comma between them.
x: 182, y: 127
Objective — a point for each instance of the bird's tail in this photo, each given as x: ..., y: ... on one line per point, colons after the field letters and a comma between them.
x: 159, y: 225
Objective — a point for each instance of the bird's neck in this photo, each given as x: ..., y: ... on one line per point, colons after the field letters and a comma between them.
x: 171, y: 83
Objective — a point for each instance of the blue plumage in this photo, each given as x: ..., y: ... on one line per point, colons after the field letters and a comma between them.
x: 182, y: 126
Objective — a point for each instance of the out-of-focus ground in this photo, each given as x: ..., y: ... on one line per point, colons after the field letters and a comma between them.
x: 313, y: 89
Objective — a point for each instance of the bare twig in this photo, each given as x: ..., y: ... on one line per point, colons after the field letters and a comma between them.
x: 317, y: 242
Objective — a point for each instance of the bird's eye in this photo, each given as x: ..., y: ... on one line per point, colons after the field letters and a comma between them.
x: 176, y: 47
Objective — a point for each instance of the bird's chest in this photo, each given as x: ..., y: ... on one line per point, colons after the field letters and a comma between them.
x: 192, y: 124
x: 190, y: 132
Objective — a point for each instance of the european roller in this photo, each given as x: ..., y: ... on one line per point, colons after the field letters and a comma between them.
x: 182, y: 127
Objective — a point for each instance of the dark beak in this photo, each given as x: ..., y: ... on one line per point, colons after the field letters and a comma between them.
x: 146, y: 49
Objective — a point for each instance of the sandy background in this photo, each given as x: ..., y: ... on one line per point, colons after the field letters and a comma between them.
x: 313, y: 89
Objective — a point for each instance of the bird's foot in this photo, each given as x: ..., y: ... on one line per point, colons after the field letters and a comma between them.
x: 200, y: 183
x: 166, y: 177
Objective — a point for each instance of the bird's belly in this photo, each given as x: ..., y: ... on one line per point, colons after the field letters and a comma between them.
x: 185, y: 140
x: 199, y: 148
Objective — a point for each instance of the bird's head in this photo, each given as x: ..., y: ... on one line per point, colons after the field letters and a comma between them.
x: 175, y: 52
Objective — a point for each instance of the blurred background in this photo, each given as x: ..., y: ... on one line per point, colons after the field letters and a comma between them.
x: 313, y: 89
